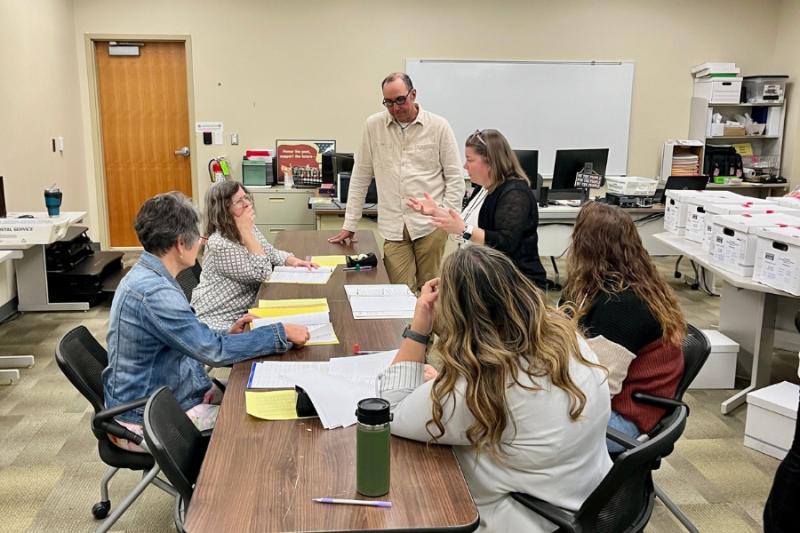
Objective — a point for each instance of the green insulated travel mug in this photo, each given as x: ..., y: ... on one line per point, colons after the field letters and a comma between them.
x: 373, y: 439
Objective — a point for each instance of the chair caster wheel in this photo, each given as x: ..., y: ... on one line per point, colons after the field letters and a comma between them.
x: 694, y: 286
x: 677, y: 275
x: 100, y: 509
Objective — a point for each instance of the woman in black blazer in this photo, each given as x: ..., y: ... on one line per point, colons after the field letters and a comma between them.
x: 502, y: 211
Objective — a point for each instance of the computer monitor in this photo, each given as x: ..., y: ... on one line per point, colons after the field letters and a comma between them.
x: 343, y: 188
x: 334, y: 163
x: 529, y: 160
x: 568, y: 164
x: 689, y: 183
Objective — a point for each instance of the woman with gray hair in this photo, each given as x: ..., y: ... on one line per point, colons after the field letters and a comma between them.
x: 238, y: 257
x: 154, y: 338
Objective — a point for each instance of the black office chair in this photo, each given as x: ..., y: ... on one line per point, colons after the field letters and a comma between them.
x: 624, y: 499
x: 82, y: 359
x: 189, y: 278
x: 177, y: 446
x: 696, y: 349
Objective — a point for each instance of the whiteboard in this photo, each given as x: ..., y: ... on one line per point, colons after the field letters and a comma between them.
x: 537, y: 105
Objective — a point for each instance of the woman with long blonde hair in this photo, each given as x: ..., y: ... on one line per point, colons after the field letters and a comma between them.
x: 618, y: 294
x: 520, y: 395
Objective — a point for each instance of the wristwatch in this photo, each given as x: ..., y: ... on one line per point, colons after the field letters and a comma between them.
x: 409, y: 333
x: 467, y: 235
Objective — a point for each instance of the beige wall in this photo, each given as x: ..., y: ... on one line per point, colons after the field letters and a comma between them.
x: 39, y: 100
x: 270, y: 69
x: 787, y: 61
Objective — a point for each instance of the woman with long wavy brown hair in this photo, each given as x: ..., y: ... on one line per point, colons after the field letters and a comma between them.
x: 520, y: 395
x: 618, y: 294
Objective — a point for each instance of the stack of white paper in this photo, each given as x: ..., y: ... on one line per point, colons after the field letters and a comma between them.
x: 287, y: 274
x: 335, y: 387
x: 380, y: 301
x: 319, y: 326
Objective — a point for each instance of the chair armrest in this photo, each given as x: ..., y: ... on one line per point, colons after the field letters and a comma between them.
x: 564, y: 519
x: 658, y: 401
x: 104, y: 421
x: 622, y: 439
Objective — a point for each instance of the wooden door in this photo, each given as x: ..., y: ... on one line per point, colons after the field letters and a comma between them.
x: 144, y: 119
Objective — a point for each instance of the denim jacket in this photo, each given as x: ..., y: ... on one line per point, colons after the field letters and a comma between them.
x: 154, y: 339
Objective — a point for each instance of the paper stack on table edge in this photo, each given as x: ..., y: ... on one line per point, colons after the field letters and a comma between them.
x: 335, y: 387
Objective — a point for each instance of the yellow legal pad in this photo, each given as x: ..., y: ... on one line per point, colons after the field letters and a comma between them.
x: 271, y: 405
x: 294, y: 306
x: 329, y: 260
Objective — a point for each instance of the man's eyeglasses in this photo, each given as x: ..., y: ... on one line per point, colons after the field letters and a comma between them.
x: 203, y: 239
x: 477, y: 135
x: 400, y: 100
x: 244, y: 201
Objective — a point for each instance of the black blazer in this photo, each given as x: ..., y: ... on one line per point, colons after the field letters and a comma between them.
x: 510, y: 217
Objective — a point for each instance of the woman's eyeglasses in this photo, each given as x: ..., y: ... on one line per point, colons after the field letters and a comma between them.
x: 243, y: 202
x: 400, y: 100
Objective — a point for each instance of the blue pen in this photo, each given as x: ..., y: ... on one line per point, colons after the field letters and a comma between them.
x: 358, y: 269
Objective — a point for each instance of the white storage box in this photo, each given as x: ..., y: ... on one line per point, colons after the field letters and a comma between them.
x: 777, y: 259
x: 753, y: 206
x: 675, y: 208
x: 719, y: 90
x: 787, y: 201
x: 632, y: 186
x: 696, y: 213
x: 719, y: 370
x: 734, y: 239
x: 771, y: 418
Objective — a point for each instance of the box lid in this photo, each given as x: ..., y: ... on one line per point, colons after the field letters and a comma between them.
x: 737, y: 79
x: 719, y: 342
x: 789, y: 201
x: 764, y: 77
x: 743, y: 200
x: 683, y: 194
x: 780, y: 398
x: 740, y: 209
x: 787, y: 235
x: 748, y: 223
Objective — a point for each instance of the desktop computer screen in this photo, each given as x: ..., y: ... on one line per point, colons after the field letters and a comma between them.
x: 529, y: 160
x: 334, y: 163
x: 343, y: 188
x: 568, y: 164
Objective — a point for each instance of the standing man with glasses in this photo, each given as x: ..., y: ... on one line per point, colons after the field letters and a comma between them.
x: 410, y: 152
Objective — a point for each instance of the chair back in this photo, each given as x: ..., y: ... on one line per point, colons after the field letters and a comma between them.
x: 189, y: 278
x: 82, y: 359
x: 696, y: 349
x: 176, y: 445
x: 624, y: 499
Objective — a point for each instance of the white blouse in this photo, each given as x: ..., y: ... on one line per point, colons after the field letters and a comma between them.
x: 470, y: 214
x: 550, y: 457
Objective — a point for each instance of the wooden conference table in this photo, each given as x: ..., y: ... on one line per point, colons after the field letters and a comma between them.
x: 261, y: 475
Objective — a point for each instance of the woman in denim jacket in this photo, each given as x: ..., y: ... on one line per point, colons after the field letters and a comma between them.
x: 154, y: 338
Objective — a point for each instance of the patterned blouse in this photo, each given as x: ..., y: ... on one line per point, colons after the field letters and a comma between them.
x: 231, y: 278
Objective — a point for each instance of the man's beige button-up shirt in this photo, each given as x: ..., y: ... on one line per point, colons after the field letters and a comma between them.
x: 406, y: 163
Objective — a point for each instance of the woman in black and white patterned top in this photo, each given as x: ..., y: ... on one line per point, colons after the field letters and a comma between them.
x: 237, y: 258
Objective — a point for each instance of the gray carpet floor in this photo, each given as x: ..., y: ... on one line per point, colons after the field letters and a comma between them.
x: 50, y: 471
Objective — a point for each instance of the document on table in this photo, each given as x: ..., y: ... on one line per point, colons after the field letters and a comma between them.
x: 271, y: 405
x: 329, y: 260
x: 319, y: 326
x: 281, y: 374
x: 287, y: 274
x: 334, y: 387
x: 381, y: 301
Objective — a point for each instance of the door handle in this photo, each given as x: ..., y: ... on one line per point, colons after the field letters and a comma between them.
x: 183, y: 151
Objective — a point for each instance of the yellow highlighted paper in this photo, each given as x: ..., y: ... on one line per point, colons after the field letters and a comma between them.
x: 295, y: 306
x: 329, y: 260
x: 271, y: 405
x: 292, y: 302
